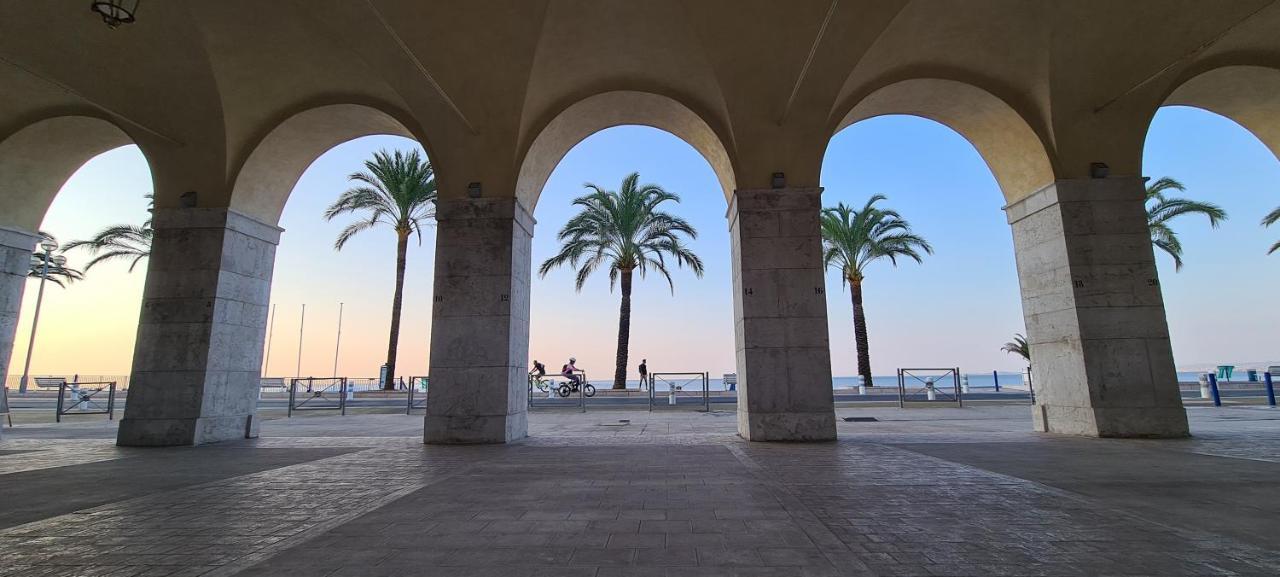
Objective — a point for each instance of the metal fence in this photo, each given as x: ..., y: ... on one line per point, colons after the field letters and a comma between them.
x: 676, y: 384
x: 929, y: 386
x: 86, y: 398
x: 417, y: 394
x: 327, y: 393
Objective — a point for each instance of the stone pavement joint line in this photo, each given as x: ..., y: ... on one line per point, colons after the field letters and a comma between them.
x: 221, y: 527
x: 917, y: 493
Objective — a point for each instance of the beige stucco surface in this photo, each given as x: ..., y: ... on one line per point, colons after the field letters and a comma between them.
x: 232, y: 99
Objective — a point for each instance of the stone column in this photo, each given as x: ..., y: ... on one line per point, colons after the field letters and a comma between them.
x: 780, y: 316
x: 1094, y: 313
x: 200, y: 334
x: 15, y: 261
x: 480, y: 323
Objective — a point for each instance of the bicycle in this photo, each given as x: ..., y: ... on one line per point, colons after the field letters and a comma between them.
x: 570, y: 387
x: 542, y: 384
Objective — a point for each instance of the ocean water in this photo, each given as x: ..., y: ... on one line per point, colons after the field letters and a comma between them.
x: 716, y: 382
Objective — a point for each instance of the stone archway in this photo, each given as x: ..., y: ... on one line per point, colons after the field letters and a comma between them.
x: 1014, y: 152
x: 609, y: 109
x: 35, y: 162
x: 263, y: 182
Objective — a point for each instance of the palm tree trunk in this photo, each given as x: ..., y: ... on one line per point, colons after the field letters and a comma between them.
x: 624, y: 332
x: 860, y: 332
x: 402, y: 247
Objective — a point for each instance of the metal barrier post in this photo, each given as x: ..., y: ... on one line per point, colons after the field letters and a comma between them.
x: 955, y: 377
x: 1213, y: 387
x: 1271, y: 392
x: 706, y: 392
x: 996, y: 377
x: 650, y: 392
x: 342, y: 396
x: 293, y: 390
x: 582, y: 392
x: 111, y: 401
x: 61, y: 392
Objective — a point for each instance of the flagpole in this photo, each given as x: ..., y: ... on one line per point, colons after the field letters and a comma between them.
x: 338, y: 342
x: 301, y: 324
x: 271, y: 331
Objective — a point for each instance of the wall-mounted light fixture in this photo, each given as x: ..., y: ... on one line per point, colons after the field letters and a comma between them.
x: 473, y: 190
x: 116, y: 12
x: 779, y: 180
x: 1099, y: 170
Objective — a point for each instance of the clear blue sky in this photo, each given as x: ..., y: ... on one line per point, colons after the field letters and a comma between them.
x: 954, y: 310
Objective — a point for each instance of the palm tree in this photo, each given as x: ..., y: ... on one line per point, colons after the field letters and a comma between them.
x: 1272, y: 218
x: 1162, y: 209
x: 121, y: 241
x: 625, y: 231
x: 59, y: 274
x: 854, y: 239
x: 1018, y: 346
x: 399, y: 190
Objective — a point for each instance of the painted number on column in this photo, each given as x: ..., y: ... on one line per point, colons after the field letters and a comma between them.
x: 1153, y: 282
x: 819, y: 290
x: 439, y: 298
x: 748, y: 292
x: 505, y: 298
x: 1077, y: 283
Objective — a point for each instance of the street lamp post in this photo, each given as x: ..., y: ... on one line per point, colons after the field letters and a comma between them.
x: 48, y: 246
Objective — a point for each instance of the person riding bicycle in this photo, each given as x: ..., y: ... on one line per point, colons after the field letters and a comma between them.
x: 539, y: 370
x: 569, y: 372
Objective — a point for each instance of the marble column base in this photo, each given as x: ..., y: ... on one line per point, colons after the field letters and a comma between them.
x: 200, y: 335
x: 780, y: 316
x: 1094, y: 312
x: 480, y: 323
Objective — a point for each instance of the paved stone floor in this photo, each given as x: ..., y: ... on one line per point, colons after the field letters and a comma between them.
x: 917, y: 492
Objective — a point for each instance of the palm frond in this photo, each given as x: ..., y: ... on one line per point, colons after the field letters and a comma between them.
x: 855, y: 238
x: 1162, y: 209
x: 395, y: 188
x: 623, y: 230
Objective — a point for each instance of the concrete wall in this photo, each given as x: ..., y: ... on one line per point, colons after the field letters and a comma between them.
x: 480, y: 323
x: 1094, y: 312
x: 780, y: 316
x: 15, y: 262
x: 200, y: 335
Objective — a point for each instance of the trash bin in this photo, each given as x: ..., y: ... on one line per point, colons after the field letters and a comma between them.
x: 1205, y: 393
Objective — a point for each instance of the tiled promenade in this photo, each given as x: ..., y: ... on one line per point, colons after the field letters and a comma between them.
x: 920, y: 492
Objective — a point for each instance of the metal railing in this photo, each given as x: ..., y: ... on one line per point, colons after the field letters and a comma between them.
x: 414, y: 384
x: 676, y: 382
x: 85, y: 401
x: 557, y: 384
x: 322, y: 393
x: 934, y: 385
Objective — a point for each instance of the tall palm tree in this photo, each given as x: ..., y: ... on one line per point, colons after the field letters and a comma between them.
x: 626, y: 232
x: 59, y: 274
x: 399, y: 190
x: 854, y: 239
x: 1272, y: 218
x: 119, y: 242
x: 1018, y: 346
x: 1162, y: 209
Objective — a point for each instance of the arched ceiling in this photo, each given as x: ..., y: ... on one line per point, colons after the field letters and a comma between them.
x: 1249, y: 95
x: 610, y: 109
x: 263, y: 184
x: 200, y: 83
x: 38, y: 159
x: 1014, y: 152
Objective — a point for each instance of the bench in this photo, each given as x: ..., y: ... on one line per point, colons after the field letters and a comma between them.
x: 271, y: 383
x: 50, y: 382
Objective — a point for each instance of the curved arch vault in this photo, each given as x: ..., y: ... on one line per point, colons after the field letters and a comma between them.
x: 217, y: 102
